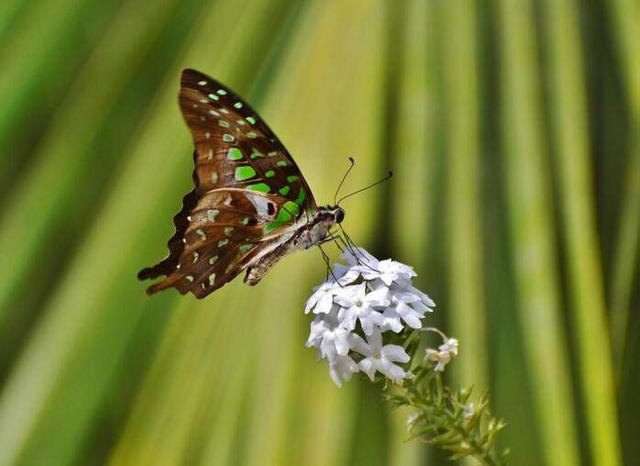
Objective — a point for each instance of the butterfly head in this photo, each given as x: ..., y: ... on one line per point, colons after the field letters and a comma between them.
x: 330, y: 215
x: 338, y: 214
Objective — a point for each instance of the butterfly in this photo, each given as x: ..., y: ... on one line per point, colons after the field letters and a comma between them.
x: 250, y: 205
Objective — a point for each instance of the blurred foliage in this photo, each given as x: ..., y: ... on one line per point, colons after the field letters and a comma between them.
x: 513, y: 128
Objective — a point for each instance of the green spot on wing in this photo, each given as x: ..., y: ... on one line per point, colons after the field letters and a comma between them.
x: 287, y: 212
x: 284, y: 190
x: 245, y: 172
x: 301, y: 196
x: 292, y: 178
x: 234, y: 154
x: 213, y: 97
x: 238, y: 105
x: 222, y: 92
x: 251, y: 120
x: 291, y: 207
x: 282, y: 163
x: 256, y: 153
x: 262, y: 187
x: 228, y: 138
x: 269, y: 173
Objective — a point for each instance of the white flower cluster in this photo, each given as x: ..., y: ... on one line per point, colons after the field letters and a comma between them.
x: 355, y: 307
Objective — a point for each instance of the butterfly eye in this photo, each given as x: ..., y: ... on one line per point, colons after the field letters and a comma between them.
x: 339, y: 215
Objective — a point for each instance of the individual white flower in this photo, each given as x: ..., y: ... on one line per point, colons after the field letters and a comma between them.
x: 329, y: 336
x: 441, y: 357
x: 405, y: 304
x: 444, y: 354
x: 379, y: 358
x: 321, y: 300
x: 389, y: 271
x: 450, y: 345
x: 358, y: 304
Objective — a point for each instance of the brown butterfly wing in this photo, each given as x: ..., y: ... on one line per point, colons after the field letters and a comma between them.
x: 234, y: 149
x: 226, y: 232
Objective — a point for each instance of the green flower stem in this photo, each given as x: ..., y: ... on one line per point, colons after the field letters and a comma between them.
x: 447, y: 418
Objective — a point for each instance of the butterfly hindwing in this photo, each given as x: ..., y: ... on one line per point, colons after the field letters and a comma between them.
x: 175, y: 244
x: 228, y: 228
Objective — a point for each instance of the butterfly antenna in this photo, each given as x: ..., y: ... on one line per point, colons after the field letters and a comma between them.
x: 389, y: 175
x: 344, y: 177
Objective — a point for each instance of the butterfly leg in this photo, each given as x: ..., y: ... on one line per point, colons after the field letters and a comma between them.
x: 353, y: 249
x: 328, y: 263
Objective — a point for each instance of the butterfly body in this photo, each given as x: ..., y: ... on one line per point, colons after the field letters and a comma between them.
x: 305, y: 234
x: 250, y: 205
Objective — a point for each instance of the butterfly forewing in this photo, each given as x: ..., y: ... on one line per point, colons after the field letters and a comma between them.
x: 248, y: 191
x: 235, y: 148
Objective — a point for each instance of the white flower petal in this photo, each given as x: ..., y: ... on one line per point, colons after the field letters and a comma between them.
x: 379, y: 297
x: 420, y: 307
x: 371, y: 322
x: 395, y: 353
x: 349, y: 295
x: 404, y: 296
x: 393, y: 372
x: 342, y: 368
x: 360, y: 346
x: 344, y: 274
x: 325, y: 303
x: 361, y: 256
x: 411, y: 317
x: 368, y: 366
x: 375, y: 341
x: 342, y: 341
x: 391, y: 321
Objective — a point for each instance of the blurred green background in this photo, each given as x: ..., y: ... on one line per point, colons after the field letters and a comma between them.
x: 513, y: 129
